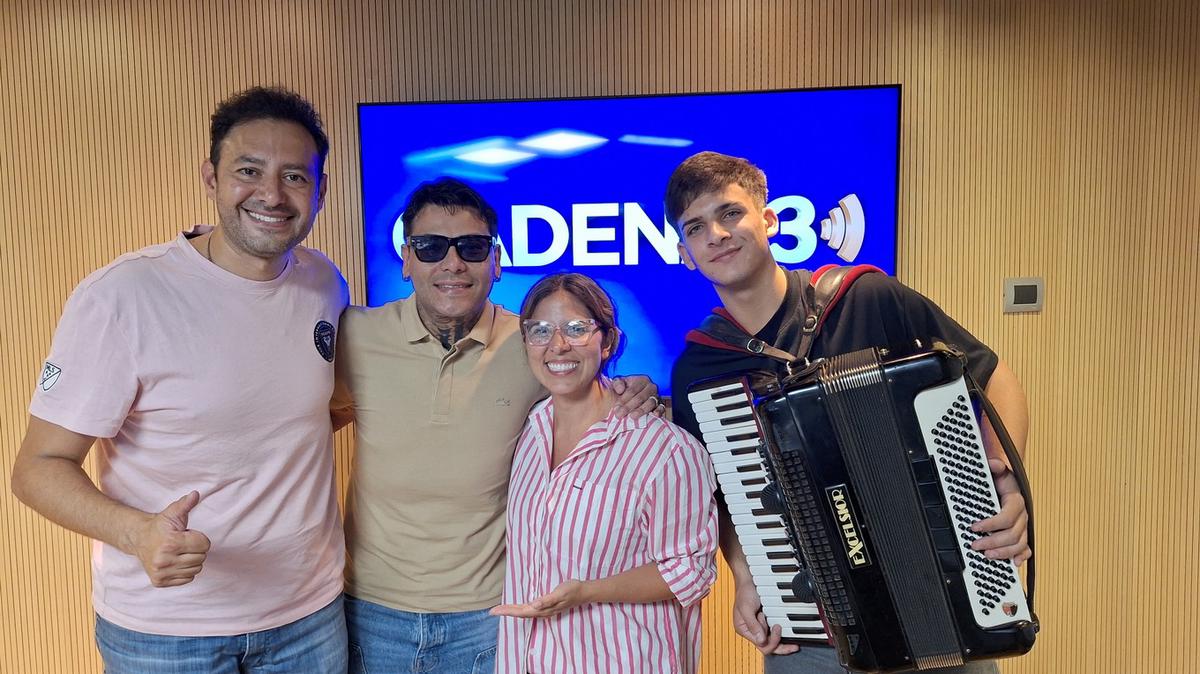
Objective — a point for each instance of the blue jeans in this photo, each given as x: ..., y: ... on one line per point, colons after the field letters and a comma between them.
x: 384, y: 640
x: 823, y: 660
x: 315, y: 644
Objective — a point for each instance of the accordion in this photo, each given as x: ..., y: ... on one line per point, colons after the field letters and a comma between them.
x: 877, y: 469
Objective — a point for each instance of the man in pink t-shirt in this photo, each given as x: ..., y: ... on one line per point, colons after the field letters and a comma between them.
x: 202, y: 369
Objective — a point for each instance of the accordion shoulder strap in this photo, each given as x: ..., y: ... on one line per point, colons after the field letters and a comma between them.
x: 822, y: 290
x: 826, y: 287
x: 719, y: 330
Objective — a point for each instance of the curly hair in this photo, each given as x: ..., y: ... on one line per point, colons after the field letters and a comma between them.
x: 266, y: 103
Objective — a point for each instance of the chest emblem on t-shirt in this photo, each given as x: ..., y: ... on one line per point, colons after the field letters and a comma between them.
x: 49, y: 377
x: 323, y: 338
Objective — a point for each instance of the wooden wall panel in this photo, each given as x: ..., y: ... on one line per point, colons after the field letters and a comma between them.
x: 1052, y: 138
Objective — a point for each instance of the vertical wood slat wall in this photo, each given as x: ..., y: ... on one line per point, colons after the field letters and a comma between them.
x: 1054, y: 139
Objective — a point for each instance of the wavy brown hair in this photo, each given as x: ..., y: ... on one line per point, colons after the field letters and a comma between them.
x: 707, y: 172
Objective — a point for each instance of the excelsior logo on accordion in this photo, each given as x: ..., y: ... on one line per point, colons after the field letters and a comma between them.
x: 856, y: 547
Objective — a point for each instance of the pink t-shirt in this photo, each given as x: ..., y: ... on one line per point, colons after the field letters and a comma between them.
x: 195, y: 378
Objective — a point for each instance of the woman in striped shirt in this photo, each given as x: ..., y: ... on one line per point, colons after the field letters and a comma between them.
x: 611, y: 523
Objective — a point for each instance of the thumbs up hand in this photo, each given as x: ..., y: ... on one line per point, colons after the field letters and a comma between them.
x: 171, y: 553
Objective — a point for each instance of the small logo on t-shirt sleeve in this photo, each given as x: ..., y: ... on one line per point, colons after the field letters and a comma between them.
x: 323, y: 337
x: 49, y: 377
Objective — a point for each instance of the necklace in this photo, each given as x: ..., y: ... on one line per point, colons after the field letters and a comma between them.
x: 208, y: 248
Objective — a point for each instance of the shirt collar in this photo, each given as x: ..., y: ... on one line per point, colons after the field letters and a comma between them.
x: 611, y: 425
x: 615, y: 427
x: 415, y: 330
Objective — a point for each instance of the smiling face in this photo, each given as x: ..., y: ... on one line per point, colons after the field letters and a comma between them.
x: 725, y: 235
x: 451, y: 290
x: 567, y: 370
x: 267, y: 187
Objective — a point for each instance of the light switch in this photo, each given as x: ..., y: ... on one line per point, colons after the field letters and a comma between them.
x: 1023, y: 294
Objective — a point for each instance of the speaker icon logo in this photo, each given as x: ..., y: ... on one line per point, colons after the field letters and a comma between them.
x: 844, y: 228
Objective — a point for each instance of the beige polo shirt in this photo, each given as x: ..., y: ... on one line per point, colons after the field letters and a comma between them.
x: 435, y: 432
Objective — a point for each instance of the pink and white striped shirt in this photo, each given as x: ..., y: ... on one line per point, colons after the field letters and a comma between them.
x: 632, y: 492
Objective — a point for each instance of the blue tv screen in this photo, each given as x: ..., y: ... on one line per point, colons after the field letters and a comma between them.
x: 578, y: 185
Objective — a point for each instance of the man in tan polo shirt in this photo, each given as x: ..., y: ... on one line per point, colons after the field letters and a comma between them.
x: 438, y: 388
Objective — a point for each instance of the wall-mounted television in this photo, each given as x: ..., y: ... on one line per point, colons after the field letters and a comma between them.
x: 578, y: 185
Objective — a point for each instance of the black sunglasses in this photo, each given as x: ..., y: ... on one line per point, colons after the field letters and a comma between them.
x: 433, y: 247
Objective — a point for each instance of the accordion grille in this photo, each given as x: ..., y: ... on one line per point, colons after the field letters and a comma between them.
x: 819, y: 550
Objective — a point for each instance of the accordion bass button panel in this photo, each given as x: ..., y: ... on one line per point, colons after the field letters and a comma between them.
x: 954, y: 442
x: 731, y: 436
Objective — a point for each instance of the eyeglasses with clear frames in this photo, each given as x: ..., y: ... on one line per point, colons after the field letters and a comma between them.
x: 576, y: 332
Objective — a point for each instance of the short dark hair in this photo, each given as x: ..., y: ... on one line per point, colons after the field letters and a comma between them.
x: 707, y: 172
x: 451, y: 195
x: 591, y: 296
x: 266, y: 103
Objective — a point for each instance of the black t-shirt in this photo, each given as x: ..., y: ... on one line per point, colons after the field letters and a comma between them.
x: 877, y: 311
